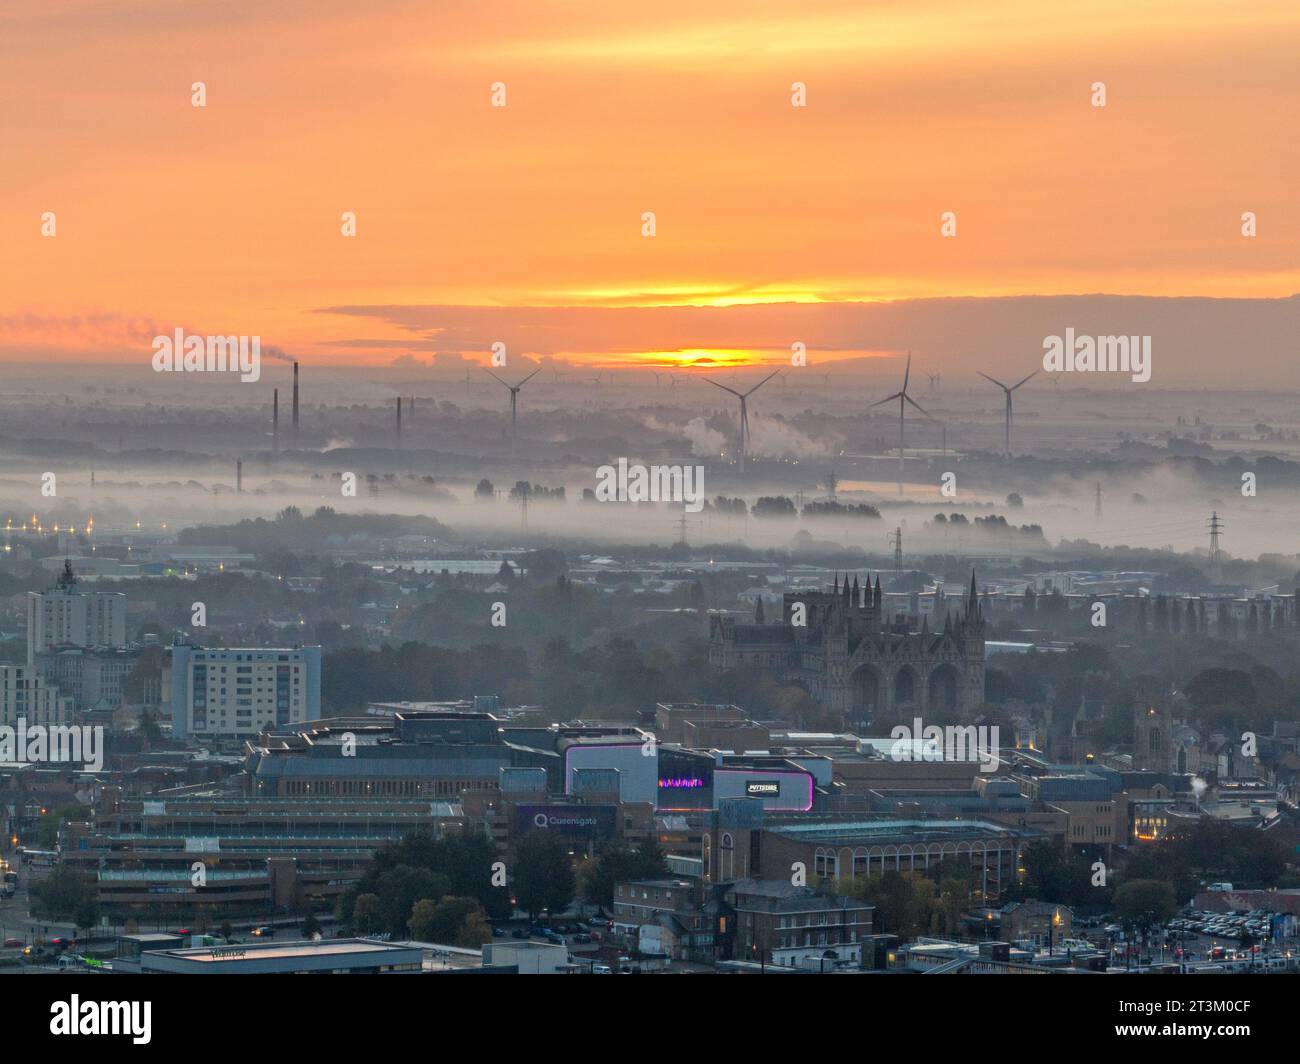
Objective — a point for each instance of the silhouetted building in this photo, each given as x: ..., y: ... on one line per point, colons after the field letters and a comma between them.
x: 847, y: 654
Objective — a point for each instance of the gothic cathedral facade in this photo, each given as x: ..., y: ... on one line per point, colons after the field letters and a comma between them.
x: 839, y: 646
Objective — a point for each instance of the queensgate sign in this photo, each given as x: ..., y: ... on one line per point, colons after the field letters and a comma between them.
x: 571, y: 821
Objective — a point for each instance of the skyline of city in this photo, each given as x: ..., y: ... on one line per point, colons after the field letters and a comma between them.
x: 577, y: 489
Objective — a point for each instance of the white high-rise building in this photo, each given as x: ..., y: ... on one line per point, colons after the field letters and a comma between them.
x: 65, y: 616
x: 225, y: 692
x: 24, y: 695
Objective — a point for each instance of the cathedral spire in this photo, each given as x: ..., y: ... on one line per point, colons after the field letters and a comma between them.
x: 857, y: 593
x: 835, y: 590
x: 972, y: 623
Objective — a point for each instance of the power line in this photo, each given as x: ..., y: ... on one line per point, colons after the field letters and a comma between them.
x: 1216, y: 529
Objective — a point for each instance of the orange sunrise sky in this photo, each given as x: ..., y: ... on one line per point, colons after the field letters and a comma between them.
x: 226, y: 218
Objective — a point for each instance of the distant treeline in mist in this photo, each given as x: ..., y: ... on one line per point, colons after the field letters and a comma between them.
x: 291, y: 529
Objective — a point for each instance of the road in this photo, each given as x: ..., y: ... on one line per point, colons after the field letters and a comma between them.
x: 16, y: 920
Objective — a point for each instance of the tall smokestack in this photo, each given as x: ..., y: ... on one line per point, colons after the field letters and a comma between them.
x: 275, y: 420
x: 399, y: 421
x: 239, y: 475
x: 295, y: 399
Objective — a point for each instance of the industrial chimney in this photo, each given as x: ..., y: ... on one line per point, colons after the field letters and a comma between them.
x: 295, y: 399
x: 399, y: 421
x: 275, y: 420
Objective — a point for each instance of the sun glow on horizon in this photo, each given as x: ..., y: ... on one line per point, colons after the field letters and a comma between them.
x: 470, y: 216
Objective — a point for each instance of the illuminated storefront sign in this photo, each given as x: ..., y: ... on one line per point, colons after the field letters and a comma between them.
x: 568, y: 820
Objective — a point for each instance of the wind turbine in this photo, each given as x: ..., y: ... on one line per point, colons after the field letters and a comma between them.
x: 744, y: 410
x: 514, y: 404
x: 1008, y: 392
x: 903, y: 399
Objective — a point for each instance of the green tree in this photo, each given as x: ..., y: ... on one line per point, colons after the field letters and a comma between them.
x: 52, y: 820
x: 543, y: 878
x: 365, y: 914
x: 63, y: 892
x: 903, y: 901
x: 1141, y: 904
x: 1056, y: 876
x: 461, y: 861
x: 400, y: 888
x: 618, y: 863
x: 475, y: 931
x: 1222, y: 696
x: 87, y: 912
x: 422, y: 919
x: 454, y: 921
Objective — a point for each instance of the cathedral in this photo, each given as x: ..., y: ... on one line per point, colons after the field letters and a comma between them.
x: 840, y: 647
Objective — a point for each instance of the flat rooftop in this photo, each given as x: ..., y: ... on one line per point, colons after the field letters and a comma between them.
x: 286, y: 950
x: 324, y: 955
x: 880, y: 829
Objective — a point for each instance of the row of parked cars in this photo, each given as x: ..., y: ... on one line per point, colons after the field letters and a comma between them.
x: 1253, y: 924
x: 555, y: 932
